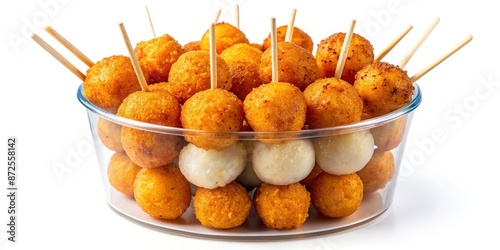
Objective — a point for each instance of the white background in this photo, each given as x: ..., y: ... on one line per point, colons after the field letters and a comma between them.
x: 448, y: 190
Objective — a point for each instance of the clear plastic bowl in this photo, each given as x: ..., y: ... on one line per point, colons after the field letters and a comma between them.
x: 391, y: 128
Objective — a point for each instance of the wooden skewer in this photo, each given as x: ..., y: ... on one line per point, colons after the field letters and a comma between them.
x: 133, y: 57
x: 407, y: 57
x: 431, y: 66
x: 58, y: 56
x: 237, y: 15
x: 213, y: 57
x: 274, y: 51
x: 217, y: 15
x: 391, y: 45
x: 289, y: 29
x: 345, y: 50
x: 69, y: 46
x: 149, y: 22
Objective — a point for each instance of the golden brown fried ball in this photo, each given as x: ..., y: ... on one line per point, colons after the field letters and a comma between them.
x: 223, y: 207
x: 327, y: 56
x: 299, y: 37
x: 336, y: 196
x: 258, y: 46
x: 378, y: 171
x: 295, y: 65
x: 110, y: 134
x: 122, y: 172
x: 241, y: 52
x: 225, y: 36
x: 332, y: 102
x: 275, y: 106
x: 245, y: 77
x: 282, y: 207
x: 213, y: 110
x: 191, y: 74
x: 157, y: 55
x: 193, y: 45
x: 109, y: 81
x: 148, y: 149
x: 390, y: 135
x: 384, y: 87
x: 307, y: 182
x: 163, y: 192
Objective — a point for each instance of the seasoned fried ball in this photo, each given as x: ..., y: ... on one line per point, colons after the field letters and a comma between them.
x: 384, y: 87
x: 213, y: 110
x: 327, y: 55
x: 193, y: 45
x: 122, y: 172
x: 390, y: 135
x: 191, y: 74
x: 312, y: 175
x: 110, y: 134
x: 163, y: 192
x: 149, y: 149
x: 295, y: 65
x: 245, y: 77
x: 109, y: 81
x: 282, y: 207
x: 332, y: 102
x: 225, y: 36
x: 157, y: 55
x: 299, y: 37
x: 241, y: 52
x: 378, y: 171
x: 336, y: 196
x: 223, y: 207
x: 275, y: 106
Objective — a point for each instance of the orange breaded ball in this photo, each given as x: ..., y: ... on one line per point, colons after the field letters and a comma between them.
x: 110, y: 134
x: 191, y: 74
x: 148, y: 149
x: 245, y: 77
x: 336, y: 196
x: 275, y: 106
x: 384, y: 87
x: 282, y: 207
x: 378, y: 171
x: 390, y: 135
x: 225, y: 36
x: 360, y: 53
x: 213, y: 110
x: 122, y: 172
x: 223, y: 207
x: 163, y: 192
x: 295, y: 65
x: 332, y: 102
x: 193, y: 45
x: 241, y: 52
x: 109, y: 81
x: 299, y: 37
x: 157, y: 55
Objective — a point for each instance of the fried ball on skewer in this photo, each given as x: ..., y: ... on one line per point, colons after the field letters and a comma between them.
x: 332, y: 102
x: 327, y: 56
x: 245, y: 77
x: 110, y: 134
x: 225, y: 36
x: 157, y: 55
x: 295, y: 65
x: 378, y: 171
x: 109, y: 81
x: 336, y: 196
x: 190, y: 46
x: 384, y: 87
x: 212, y: 110
x: 282, y: 207
x: 299, y: 37
x: 163, y: 192
x: 148, y: 149
x: 241, y: 52
x: 191, y: 74
x: 223, y: 207
x: 122, y: 172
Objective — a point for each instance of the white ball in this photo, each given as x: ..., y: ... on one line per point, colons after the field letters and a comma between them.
x: 344, y: 154
x: 248, y: 178
x: 212, y: 168
x: 284, y: 163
